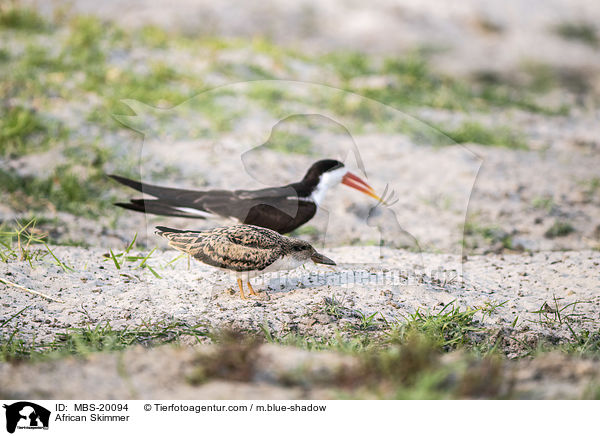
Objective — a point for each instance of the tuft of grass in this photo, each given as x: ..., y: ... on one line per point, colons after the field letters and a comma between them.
x: 14, y: 348
x: 474, y: 132
x: 13, y: 16
x: 410, y: 368
x: 447, y: 329
x: 233, y: 360
x: 559, y: 229
x: 584, y: 342
x: 63, y: 190
x: 410, y: 81
x: 353, y: 344
x: 119, y: 259
x: 550, y: 314
x: 16, y: 125
x: 545, y: 202
x: 16, y: 244
x: 24, y: 130
x: 400, y: 364
x: 82, y: 342
x: 492, y: 235
x: 366, y: 322
x: 409, y: 69
x: 334, y: 307
x: 583, y: 32
x: 489, y: 308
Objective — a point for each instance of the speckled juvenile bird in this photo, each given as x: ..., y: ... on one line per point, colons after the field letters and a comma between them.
x: 246, y: 251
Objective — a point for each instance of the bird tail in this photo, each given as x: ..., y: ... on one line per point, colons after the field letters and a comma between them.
x: 162, y: 230
x: 158, y: 207
x: 168, y: 195
x: 169, y: 201
x: 183, y: 240
x: 138, y: 186
x: 146, y: 188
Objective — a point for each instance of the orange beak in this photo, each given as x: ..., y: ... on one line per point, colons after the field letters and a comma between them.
x: 360, y: 185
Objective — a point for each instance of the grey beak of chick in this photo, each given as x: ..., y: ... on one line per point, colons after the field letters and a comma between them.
x: 319, y: 258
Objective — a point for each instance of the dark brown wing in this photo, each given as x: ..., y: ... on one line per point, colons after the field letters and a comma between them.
x: 274, y: 216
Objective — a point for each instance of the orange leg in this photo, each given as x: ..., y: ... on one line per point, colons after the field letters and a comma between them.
x: 241, y: 285
x: 251, y: 289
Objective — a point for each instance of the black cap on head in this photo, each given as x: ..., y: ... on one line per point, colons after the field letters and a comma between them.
x: 320, y: 167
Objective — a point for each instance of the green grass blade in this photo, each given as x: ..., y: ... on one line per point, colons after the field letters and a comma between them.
x: 60, y: 263
x: 114, y: 259
x: 152, y: 271
x: 14, y: 316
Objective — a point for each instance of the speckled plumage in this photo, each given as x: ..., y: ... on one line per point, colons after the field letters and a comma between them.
x: 238, y: 248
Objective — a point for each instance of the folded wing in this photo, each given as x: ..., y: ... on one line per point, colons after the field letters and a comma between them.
x: 243, y: 251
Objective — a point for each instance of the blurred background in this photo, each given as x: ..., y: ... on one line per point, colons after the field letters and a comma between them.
x: 482, y: 116
x: 517, y: 83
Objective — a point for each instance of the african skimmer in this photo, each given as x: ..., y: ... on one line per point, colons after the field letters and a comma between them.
x: 282, y: 208
x: 243, y: 250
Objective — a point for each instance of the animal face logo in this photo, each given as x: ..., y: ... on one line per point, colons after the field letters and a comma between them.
x: 26, y: 415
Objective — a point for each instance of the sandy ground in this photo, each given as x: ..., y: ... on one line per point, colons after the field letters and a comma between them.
x: 388, y: 282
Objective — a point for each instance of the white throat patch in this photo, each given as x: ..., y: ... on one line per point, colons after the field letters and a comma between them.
x: 328, y: 179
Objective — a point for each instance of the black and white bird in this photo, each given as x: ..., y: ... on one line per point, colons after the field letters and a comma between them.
x: 246, y: 251
x: 282, y: 208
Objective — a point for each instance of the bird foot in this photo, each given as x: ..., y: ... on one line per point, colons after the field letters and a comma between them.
x: 240, y: 284
x: 251, y: 289
x: 261, y: 294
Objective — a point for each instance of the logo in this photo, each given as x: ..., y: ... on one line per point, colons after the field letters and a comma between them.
x: 26, y: 415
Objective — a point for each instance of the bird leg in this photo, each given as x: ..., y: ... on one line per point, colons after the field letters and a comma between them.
x: 251, y: 289
x: 241, y: 285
